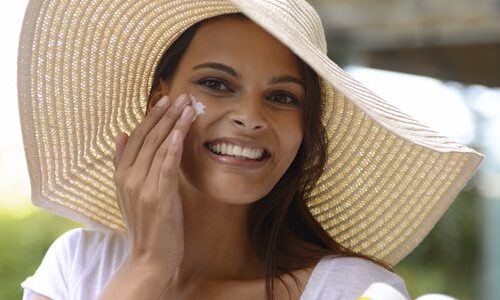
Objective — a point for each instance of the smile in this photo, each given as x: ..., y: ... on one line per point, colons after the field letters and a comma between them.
x: 237, y: 153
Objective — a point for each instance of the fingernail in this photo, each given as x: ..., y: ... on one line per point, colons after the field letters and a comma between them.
x: 163, y: 102
x: 180, y: 101
x: 186, y: 113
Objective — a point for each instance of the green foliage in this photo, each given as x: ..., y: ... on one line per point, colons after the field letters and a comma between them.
x: 24, y: 241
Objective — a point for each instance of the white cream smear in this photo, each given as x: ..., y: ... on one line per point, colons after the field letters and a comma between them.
x: 199, y: 108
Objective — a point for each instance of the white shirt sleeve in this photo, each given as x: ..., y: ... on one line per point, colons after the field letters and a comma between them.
x: 346, y: 278
x: 50, y: 279
x: 77, y: 265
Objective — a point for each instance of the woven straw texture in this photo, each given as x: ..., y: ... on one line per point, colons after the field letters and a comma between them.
x: 85, y: 70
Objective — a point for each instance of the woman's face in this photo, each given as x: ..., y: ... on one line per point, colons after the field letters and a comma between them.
x: 253, y: 90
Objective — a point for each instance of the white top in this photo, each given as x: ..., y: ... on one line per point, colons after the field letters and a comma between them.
x: 80, y: 262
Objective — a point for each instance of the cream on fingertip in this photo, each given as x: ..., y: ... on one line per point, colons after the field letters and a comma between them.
x: 199, y: 108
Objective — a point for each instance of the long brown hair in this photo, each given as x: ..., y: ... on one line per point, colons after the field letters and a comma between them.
x: 283, y: 233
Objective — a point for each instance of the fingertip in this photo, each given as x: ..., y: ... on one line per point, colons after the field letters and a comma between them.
x: 120, y: 141
x: 117, y: 138
x: 122, y: 136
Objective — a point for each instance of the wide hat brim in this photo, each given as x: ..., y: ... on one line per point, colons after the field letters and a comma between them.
x: 84, y: 74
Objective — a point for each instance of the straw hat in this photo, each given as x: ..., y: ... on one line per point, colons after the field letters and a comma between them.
x: 85, y: 71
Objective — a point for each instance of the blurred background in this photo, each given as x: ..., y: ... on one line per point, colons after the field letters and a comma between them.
x: 438, y: 60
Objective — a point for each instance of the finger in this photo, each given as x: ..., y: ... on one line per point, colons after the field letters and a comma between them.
x: 120, y: 142
x: 157, y: 135
x: 139, y: 133
x: 182, y: 126
x: 167, y: 181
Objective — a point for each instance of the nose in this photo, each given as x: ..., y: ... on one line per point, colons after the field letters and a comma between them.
x: 249, y: 115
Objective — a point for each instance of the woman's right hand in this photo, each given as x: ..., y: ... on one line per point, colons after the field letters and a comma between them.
x: 146, y: 178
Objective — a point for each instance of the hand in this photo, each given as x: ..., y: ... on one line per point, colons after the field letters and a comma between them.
x: 146, y: 179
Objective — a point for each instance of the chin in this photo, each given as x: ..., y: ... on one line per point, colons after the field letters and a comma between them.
x: 227, y: 185
x: 228, y: 188
x: 238, y: 196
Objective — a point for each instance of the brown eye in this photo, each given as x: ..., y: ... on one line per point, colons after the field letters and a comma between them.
x: 214, y: 84
x: 285, y: 98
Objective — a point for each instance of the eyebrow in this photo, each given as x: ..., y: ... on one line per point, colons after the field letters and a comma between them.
x: 227, y: 69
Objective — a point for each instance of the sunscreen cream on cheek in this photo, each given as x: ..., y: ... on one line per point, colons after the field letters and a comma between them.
x: 199, y: 108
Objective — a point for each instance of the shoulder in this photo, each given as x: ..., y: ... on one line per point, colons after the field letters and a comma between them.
x: 89, y: 238
x: 348, y: 278
x: 78, y: 248
x: 80, y: 242
x: 355, y: 266
x: 78, y: 262
x: 85, y: 245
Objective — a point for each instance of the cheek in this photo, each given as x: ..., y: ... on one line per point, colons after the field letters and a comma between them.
x: 195, y: 137
x: 198, y: 133
x: 290, y: 136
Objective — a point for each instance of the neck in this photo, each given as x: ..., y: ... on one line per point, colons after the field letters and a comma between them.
x: 216, y: 244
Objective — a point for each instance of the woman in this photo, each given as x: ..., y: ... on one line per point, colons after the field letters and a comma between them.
x: 236, y: 201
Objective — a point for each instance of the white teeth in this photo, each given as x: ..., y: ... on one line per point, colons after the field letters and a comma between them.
x: 235, y: 150
x: 246, y: 152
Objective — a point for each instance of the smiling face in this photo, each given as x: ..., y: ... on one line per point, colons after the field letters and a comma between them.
x: 252, y: 87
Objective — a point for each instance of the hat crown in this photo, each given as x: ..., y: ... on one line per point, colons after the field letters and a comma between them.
x: 296, y: 16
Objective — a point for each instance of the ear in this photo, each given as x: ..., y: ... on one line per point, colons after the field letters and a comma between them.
x: 160, y: 91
